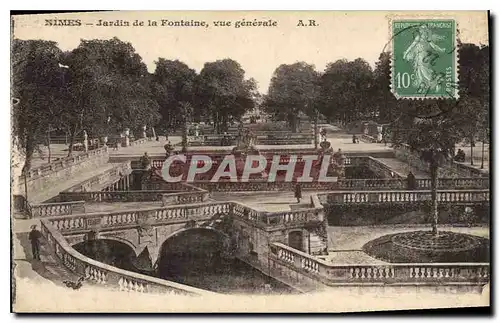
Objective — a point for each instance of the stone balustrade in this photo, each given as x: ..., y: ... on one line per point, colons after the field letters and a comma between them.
x: 390, y: 273
x: 109, y: 276
x: 115, y: 196
x: 421, y: 183
x: 448, y: 196
x: 164, y: 215
x: 115, y: 173
x: 185, y: 195
x: 130, y: 218
x: 345, y: 184
x: 367, y: 138
x: 138, y: 142
x: 60, y: 164
x: 55, y: 209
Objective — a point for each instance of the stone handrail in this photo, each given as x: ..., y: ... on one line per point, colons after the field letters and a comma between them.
x: 175, y: 213
x: 367, y: 138
x: 115, y: 196
x: 123, y: 169
x: 345, y: 184
x: 57, y: 165
x: 448, y: 196
x: 138, y: 141
x: 215, y: 160
x: 332, y: 274
x: 103, y: 221
x: 188, y: 194
x: 106, y: 275
x: 55, y: 209
x: 192, y: 195
x: 421, y: 183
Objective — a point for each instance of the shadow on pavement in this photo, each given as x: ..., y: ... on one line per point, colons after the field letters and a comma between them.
x: 48, y: 267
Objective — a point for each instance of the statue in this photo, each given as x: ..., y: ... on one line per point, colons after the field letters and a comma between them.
x: 245, y: 143
x: 85, y: 141
x: 168, y: 148
x: 127, y: 137
x: 144, y: 135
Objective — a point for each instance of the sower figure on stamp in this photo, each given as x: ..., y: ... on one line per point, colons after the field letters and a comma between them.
x: 35, y: 237
x: 298, y: 192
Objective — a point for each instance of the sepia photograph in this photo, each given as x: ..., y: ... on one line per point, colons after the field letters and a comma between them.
x: 250, y: 161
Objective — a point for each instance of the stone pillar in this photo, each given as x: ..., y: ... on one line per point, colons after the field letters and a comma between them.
x: 85, y: 141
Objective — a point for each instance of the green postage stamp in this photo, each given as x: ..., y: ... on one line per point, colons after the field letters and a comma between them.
x: 424, y: 59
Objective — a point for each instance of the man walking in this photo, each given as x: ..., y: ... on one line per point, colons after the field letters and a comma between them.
x: 298, y: 192
x: 34, y: 237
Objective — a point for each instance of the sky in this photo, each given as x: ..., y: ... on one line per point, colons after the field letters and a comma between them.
x: 259, y: 50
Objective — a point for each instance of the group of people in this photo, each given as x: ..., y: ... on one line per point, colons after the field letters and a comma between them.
x: 355, y: 139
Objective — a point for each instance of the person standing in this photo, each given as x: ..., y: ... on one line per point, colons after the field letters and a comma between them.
x: 411, y: 182
x: 34, y: 237
x: 298, y: 192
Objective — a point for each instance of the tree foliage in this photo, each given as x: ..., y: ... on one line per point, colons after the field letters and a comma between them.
x: 173, y: 86
x: 293, y: 89
x: 223, y: 93
x: 36, y: 84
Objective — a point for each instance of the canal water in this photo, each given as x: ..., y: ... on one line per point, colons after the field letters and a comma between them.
x: 229, y: 276
x: 207, y: 270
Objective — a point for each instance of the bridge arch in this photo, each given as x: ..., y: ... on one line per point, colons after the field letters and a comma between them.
x: 191, y: 251
x: 112, y: 251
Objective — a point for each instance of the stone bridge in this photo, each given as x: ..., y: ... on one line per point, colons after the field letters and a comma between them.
x: 285, y: 245
x: 241, y: 228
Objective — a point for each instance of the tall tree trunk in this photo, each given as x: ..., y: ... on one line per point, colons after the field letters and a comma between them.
x: 482, y: 154
x: 472, y: 150
x: 316, y: 130
x: 48, y: 144
x: 30, y: 150
x: 292, y: 119
x: 71, y: 141
x: 434, y: 209
x: 184, y: 136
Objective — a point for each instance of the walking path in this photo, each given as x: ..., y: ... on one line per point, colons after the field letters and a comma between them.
x: 271, y: 201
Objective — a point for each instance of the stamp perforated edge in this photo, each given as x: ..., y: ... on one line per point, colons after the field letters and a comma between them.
x: 390, y: 47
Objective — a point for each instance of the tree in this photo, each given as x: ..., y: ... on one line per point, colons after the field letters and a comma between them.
x: 293, y: 89
x: 385, y: 105
x: 432, y: 138
x: 346, y: 90
x: 484, y: 99
x: 36, y: 88
x: 172, y: 87
x: 107, y: 89
x: 223, y: 91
